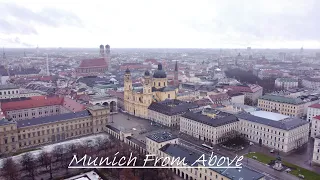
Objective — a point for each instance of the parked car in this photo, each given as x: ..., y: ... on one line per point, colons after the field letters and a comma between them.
x: 254, y: 157
x: 251, y: 143
x: 288, y: 170
x: 272, y: 151
x: 301, y: 176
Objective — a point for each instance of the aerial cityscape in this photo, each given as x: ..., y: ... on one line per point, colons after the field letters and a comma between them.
x: 248, y: 101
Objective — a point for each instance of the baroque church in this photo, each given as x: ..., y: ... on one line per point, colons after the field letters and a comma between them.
x: 155, y: 89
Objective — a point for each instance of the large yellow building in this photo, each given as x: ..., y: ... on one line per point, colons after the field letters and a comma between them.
x: 155, y: 89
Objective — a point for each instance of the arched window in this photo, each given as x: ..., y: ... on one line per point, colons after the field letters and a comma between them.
x: 164, y: 83
x: 159, y: 84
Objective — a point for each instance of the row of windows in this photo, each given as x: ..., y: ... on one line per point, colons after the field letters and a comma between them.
x: 8, y: 92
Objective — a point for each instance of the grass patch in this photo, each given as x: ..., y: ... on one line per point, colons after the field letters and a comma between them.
x: 260, y: 157
x: 295, y: 170
x: 24, y: 151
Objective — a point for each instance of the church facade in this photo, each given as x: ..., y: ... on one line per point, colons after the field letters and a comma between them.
x: 155, y: 89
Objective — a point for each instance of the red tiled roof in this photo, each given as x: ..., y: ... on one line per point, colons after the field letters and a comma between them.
x: 34, y: 102
x: 41, y: 101
x: 315, y: 106
x: 153, y: 61
x: 222, y: 96
x: 72, y: 105
x: 119, y: 95
x: 87, y: 63
x: 317, y: 117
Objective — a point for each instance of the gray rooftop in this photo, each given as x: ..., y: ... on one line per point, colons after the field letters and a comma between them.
x: 5, y: 122
x: 139, y: 143
x: 282, y: 99
x: 221, y: 119
x: 160, y: 137
x: 113, y: 129
x: 191, y: 156
x: 286, y: 124
x: 52, y: 119
x: 96, y: 107
x: 172, y: 107
x: 164, y: 89
x: 8, y: 86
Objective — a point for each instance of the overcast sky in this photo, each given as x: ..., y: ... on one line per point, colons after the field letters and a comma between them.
x: 160, y: 23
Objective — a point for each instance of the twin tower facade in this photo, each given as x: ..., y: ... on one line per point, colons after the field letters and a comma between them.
x: 155, y: 89
x: 104, y: 51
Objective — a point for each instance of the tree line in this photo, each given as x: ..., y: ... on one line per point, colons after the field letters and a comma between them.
x: 55, y: 163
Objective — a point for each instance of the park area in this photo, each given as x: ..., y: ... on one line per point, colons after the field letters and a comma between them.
x: 295, y: 170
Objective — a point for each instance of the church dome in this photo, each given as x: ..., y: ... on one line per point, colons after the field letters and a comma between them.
x: 160, y: 73
x: 127, y: 71
x: 147, y: 73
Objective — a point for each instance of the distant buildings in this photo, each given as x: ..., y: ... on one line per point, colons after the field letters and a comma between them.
x: 251, y: 91
x: 11, y: 91
x: 286, y: 83
x: 311, y: 82
x: 96, y: 66
x: 269, y: 73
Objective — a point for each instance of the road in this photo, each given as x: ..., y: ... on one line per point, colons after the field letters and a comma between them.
x: 270, y: 173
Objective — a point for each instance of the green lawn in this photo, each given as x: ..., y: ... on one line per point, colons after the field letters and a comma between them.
x: 295, y: 170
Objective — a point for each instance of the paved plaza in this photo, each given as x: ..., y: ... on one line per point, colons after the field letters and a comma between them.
x: 138, y: 127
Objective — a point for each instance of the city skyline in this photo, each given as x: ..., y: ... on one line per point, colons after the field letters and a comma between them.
x: 160, y: 24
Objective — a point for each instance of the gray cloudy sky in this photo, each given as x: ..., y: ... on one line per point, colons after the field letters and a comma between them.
x: 160, y: 23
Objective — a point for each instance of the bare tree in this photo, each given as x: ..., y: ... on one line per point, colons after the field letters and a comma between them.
x: 10, y: 170
x: 57, y: 152
x: 29, y: 164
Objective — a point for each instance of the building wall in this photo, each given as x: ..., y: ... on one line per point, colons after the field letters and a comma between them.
x: 315, y: 127
x: 170, y: 121
x: 23, y: 114
x: 206, y: 132
x: 273, y: 137
x: 310, y: 84
x: 8, y: 138
x: 282, y: 108
x: 31, y: 136
x: 312, y: 112
x: 316, y: 151
x: 286, y: 84
x: 9, y: 93
x: 237, y: 99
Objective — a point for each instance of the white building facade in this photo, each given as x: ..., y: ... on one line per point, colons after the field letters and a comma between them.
x: 286, y: 83
x: 316, y: 151
x: 283, y: 135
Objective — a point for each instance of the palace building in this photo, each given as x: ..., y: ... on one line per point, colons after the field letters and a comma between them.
x: 155, y: 89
